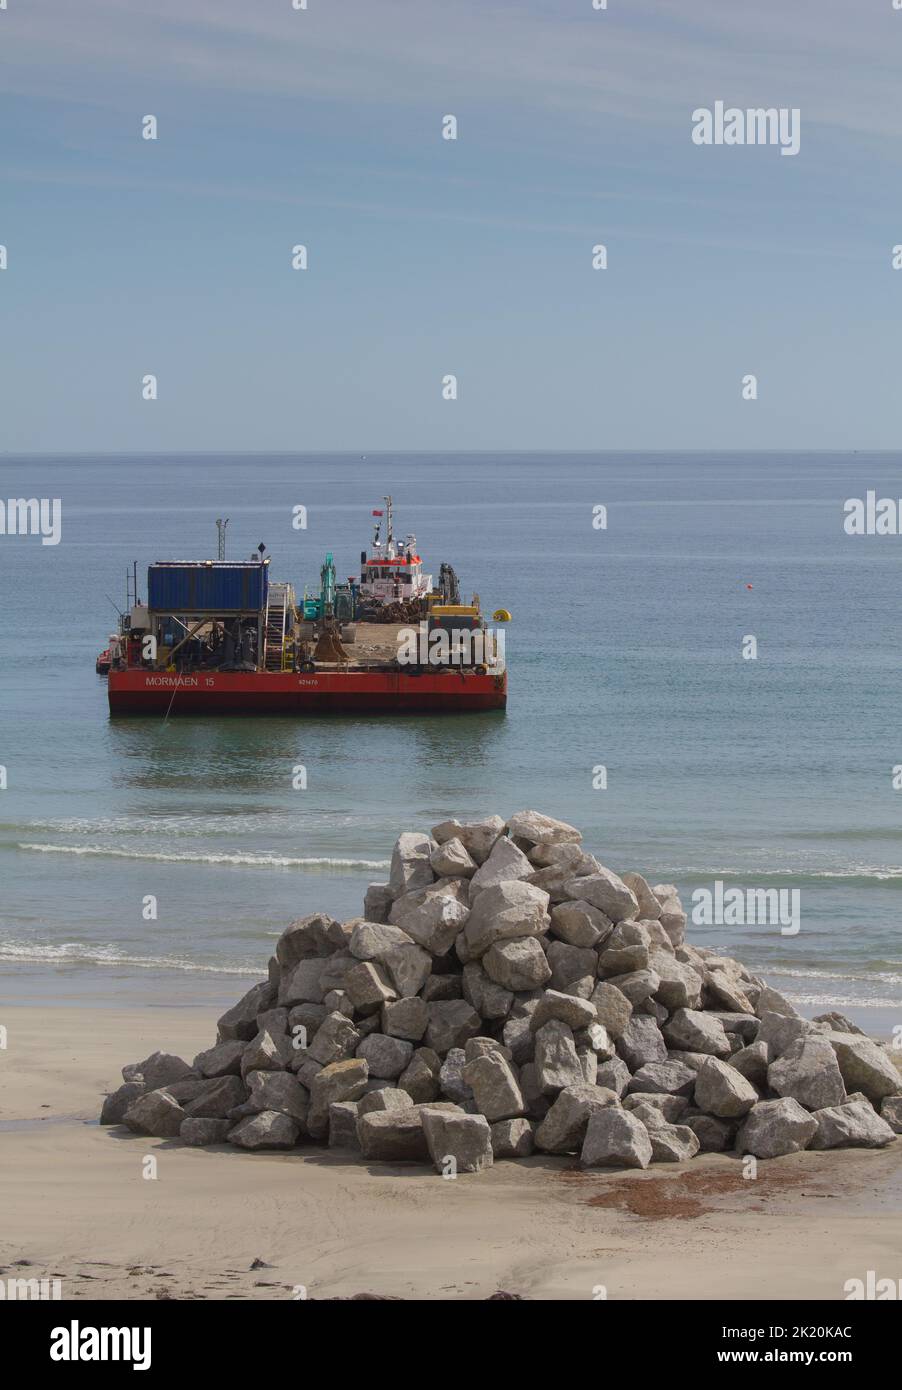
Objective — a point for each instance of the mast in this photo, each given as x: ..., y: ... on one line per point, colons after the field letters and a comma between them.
x: 389, y: 532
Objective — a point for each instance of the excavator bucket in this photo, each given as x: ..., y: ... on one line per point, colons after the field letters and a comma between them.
x: 329, y: 647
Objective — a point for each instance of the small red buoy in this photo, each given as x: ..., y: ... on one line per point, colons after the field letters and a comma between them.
x: 748, y: 586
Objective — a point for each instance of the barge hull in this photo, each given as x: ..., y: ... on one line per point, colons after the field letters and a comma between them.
x: 307, y: 693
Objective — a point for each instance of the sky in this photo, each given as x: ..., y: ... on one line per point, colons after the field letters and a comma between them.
x: 429, y: 257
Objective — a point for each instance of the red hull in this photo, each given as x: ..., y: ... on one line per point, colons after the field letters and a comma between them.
x: 320, y: 692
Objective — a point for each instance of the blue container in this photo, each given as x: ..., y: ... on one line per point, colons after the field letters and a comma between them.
x: 199, y: 587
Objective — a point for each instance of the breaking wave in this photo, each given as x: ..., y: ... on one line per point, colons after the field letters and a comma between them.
x: 255, y: 861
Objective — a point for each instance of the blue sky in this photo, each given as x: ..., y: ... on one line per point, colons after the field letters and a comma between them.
x: 427, y: 256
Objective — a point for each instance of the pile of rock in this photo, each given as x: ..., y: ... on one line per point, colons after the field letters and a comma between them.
x: 505, y: 993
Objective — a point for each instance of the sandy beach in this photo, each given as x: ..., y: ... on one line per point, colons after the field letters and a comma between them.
x: 76, y: 1206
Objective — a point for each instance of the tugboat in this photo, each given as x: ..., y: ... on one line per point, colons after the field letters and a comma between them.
x: 221, y: 637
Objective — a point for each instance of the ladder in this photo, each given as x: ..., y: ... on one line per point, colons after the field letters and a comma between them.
x: 274, y: 627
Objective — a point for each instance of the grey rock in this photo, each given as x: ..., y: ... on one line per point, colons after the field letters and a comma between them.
x: 606, y: 891
x: 335, y: 1039
x: 723, y: 1091
x: 776, y: 1127
x: 116, y: 1104
x: 386, y: 1098
x: 808, y: 1072
x: 377, y: 902
x: 277, y: 1090
x: 268, y: 1130
x: 780, y: 1031
x: 669, y: 1108
x: 613, y: 1009
x: 641, y: 1041
x: 410, y: 866
x: 338, y: 1001
x: 339, y: 1081
x: 564, y: 1127
x: 369, y: 987
x: 579, y: 923
x: 714, y: 1135
x: 614, y: 1075
x: 219, y: 1097
x: 851, y: 1126
x: 891, y: 1112
x: 680, y: 987
x: 667, y: 1078
x: 838, y: 1023
x: 752, y: 1062
x: 572, y: 968
x: 373, y: 940
x: 465, y: 1139
x: 575, y: 1012
x: 512, y: 1138
x: 303, y: 984
x: 649, y: 906
x: 517, y: 964
x: 385, y: 1056
x: 199, y: 1132
x: 673, y: 1143
x: 451, y: 1078
x: 393, y: 1136
x: 408, y: 969
x: 519, y: 1040
x: 432, y: 919
x: 589, y: 1063
x: 453, y: 860
x: 162, y: 1068
x: 442, y: 987
x: 692, y: 1031
x: 266, y: 1053
x: 420, y: 1078
x: 482, y: 1047
x: 222, y: 1060
x: 451, y: 1022
x: 537, y: 1105
x: 865, y: 1066
x: 315, y: 935
x: 494, y: 1087
x: 556, y: 1061
x: 637, y: 986
x: 771, y: 1001
x: 504, y: 864
x: 477, y: 837
x: 343, y: 1125
x: 505, y: 911
x: 539, y: 829
x: 615, y: 1138
x: 156, y: 1113
x: 490, y: 1000
x: 405, y: 1018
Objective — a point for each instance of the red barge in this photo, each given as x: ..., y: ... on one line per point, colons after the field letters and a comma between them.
x: 218, y: 637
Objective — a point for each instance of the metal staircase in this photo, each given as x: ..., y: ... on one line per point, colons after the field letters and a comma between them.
x: 274, y: 629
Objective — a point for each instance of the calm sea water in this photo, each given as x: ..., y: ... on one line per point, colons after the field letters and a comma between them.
x: 624, y: 651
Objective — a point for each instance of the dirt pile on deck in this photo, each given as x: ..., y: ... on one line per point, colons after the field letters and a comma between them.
x: 504, y: 993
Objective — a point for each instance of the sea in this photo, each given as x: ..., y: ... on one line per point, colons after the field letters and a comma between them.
x: 704, y: 673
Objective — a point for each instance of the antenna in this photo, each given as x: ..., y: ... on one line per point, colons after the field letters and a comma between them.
x: 389, y: 531
x: 221, y: 528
